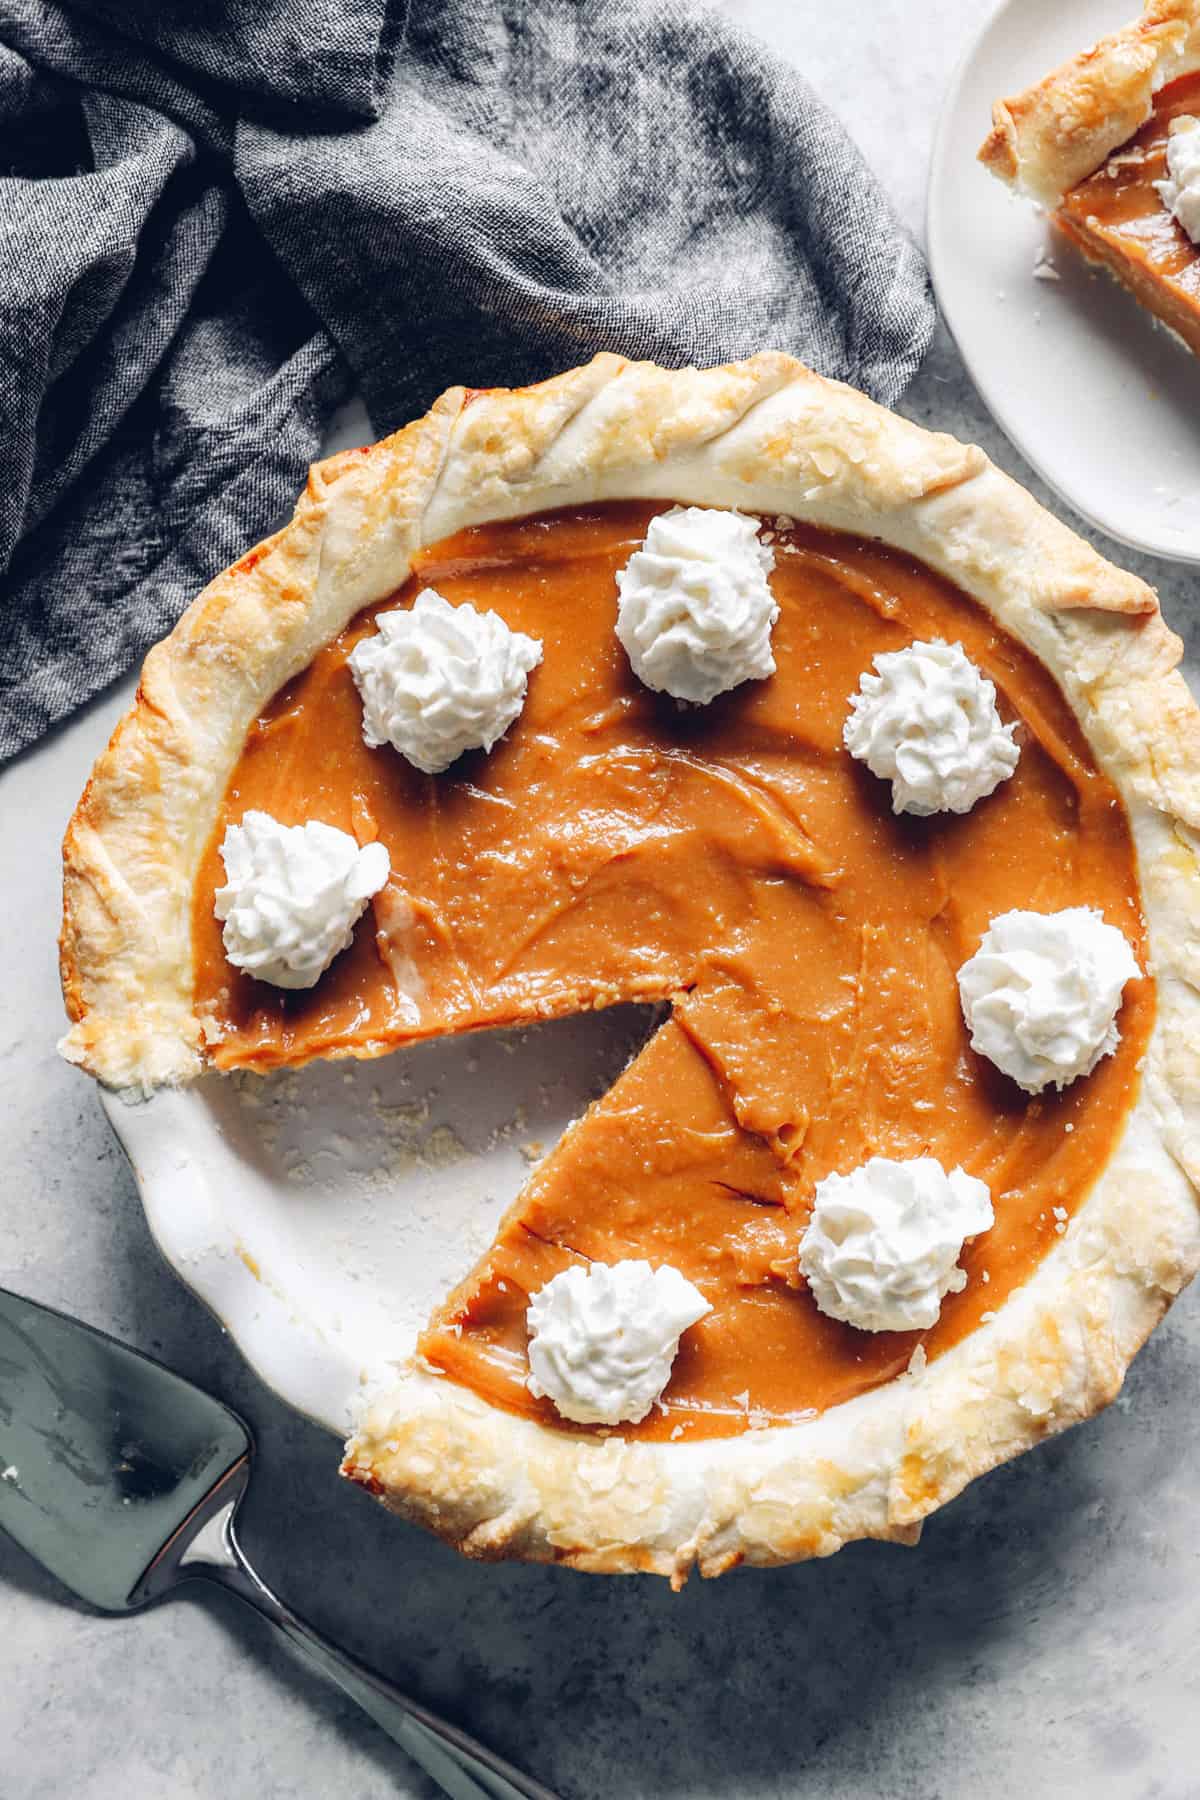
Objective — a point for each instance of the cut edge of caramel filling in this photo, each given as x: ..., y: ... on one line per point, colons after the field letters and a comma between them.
x: 736, y: 861
x: 1117, y: 219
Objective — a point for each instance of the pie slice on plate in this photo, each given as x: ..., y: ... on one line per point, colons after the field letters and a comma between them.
x: 1110, y: 143
x: 729, y: 691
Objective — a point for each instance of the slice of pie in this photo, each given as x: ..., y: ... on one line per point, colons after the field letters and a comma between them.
x: 1107, y: 143
x: 904, y: 1178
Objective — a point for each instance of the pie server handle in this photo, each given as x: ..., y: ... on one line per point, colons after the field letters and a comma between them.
x: 463, y: 1768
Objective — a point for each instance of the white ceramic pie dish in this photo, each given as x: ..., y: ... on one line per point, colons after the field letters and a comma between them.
x: 322, y: 1213
x: 327, y: 1190
x: 1102, y: 402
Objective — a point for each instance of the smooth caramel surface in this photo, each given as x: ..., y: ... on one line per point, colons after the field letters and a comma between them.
x: 736, y: 860
x: 1117, y: 218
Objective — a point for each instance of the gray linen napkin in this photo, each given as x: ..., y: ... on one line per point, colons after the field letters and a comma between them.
x: 214, y: 222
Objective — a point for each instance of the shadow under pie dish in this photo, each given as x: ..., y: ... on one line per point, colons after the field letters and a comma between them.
x: 734, y: 859
x: 1110, y: 143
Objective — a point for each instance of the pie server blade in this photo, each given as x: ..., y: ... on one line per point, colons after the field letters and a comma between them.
x: 105, y: 1455
x: 123, y: 1479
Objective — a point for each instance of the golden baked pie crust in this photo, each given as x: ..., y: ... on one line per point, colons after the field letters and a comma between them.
x: 1055, y: 133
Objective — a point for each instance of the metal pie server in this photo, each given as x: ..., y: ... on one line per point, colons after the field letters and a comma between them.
x: 123, y: 1479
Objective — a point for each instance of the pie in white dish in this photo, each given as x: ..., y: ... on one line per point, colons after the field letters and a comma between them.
x: 735, y: 860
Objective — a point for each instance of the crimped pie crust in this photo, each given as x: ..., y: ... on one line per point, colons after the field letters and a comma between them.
x: 769, y: 436
x: 1054, y: 134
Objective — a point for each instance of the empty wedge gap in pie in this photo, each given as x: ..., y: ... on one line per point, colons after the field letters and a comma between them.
x: 904, y: 1176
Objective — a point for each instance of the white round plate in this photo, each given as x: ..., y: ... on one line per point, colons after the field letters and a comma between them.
x: 323, y: 1213
x: 1104, y: 404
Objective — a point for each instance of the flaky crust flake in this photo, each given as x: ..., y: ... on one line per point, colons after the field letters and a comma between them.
x: 768, y: 436
x: 1053, y: 135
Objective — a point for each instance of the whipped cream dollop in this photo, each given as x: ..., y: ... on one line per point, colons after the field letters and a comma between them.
x: 602, y: 1339
x: 696, y: 609
x: 292, y: 896
x: 1041, y: 994
x: 926, y: 721
x: 436, y: 680
x: 882, y: 1247
x: 1180, y: 191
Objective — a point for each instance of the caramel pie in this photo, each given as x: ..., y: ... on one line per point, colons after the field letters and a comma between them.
x: 1091, y: 143
x: 734, y: 863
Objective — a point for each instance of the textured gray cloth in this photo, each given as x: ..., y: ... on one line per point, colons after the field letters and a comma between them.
x: 214, y: 221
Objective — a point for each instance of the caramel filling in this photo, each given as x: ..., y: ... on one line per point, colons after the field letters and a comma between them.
x: 1117, y: 218
x: 736, y: 861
